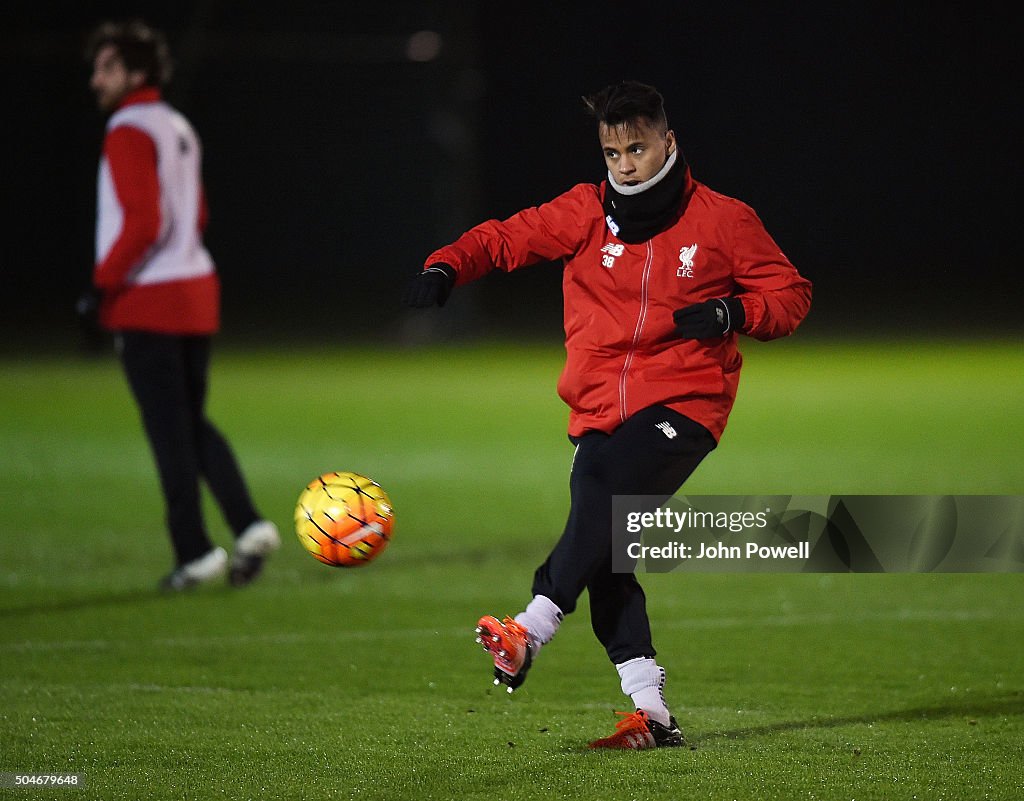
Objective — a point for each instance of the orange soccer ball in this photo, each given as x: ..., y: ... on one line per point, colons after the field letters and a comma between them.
x: 344, y: 519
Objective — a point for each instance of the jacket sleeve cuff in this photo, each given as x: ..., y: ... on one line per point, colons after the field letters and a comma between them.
x: 737, y: 314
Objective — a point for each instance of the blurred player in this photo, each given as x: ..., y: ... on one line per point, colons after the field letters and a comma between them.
x: 661, y: 275
x: 156, y: 287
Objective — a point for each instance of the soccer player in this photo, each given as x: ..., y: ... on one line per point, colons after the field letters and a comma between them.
x: 661, y: 275
x: 156, y: 287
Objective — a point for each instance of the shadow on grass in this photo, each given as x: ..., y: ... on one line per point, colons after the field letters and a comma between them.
x: 108, y: 600
x: 969, y: 708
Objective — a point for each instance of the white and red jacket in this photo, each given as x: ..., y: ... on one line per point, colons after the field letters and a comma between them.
x: 151, y: 264
x: 621, y: 355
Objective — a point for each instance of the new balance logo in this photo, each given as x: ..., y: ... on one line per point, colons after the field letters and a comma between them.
x: 667, y: 430
x: 611, y: 252
x: 686, y: 255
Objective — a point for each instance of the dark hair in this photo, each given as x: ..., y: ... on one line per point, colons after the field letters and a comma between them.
x: 626, y: 102
x: 140, y: 46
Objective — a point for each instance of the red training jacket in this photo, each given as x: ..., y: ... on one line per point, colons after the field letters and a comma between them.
x: 621, y: 355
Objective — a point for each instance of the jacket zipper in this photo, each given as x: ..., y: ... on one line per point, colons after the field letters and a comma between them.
x: 644, y: 281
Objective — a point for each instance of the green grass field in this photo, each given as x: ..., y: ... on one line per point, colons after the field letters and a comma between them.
x: 320, y: 683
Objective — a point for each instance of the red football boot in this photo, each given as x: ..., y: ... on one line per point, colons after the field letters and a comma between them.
x: 509, y: 643
x: 637, y: 731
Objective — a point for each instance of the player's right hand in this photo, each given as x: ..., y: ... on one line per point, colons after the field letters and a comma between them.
x: 430, y: 287
x: 87, y: 307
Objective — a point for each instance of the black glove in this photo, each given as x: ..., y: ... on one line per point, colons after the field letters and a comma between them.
x: 87, y: 307
x: 430, y: 287
x: 712, y: 318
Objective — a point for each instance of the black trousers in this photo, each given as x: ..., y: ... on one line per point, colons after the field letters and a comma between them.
x: 168, y: 377
x: 638, y: 458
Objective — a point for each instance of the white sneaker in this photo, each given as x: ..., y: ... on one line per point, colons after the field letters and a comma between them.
x: 252, y: 547
x: 207, y: 567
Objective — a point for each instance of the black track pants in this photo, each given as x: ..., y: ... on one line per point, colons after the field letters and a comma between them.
x: 167, y: 375
x: 638, y: 458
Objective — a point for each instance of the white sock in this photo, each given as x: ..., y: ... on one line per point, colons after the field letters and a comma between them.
x: 542, y: 619
x: 644, y: 681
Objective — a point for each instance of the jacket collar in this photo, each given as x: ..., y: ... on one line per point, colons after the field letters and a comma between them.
x: 144, y: 94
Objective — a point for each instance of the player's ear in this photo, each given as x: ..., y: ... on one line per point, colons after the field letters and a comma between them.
x: 136, y: 78
x: 670, y: 141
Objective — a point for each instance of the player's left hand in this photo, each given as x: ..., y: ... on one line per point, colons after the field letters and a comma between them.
x: 712, y: 318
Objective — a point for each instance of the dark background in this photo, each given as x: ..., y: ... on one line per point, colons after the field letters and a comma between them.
x: 878, y: 142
